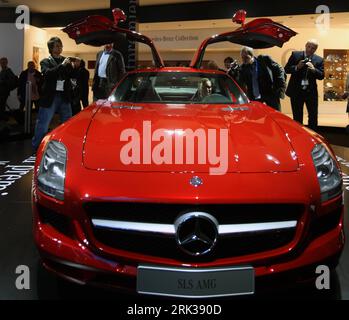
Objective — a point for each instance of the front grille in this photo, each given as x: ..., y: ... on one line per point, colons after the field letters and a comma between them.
x: 166, y: 247
x: 160, y: 245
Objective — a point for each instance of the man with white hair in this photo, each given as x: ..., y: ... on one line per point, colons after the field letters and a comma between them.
x: 305, y: 68
x: 262, y: 78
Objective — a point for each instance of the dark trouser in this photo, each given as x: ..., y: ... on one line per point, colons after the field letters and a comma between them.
x: 311, y: 102
x: 75, y: 107
x: 76, y: 104
x: 273, y: 102
x: 102, y: 90
x: 3, y: 100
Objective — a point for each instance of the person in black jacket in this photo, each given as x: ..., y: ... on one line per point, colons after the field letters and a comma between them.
x: 262, y: 78
x: 29, y: 75
x: 83, y: 79
x: 8, y: 82
x: 80, y: 79
x: 55, y: 91
x: 305, y: 68
x: 110, y: 67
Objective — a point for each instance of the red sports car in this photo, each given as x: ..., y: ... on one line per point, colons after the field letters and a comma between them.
x: 178, y: 185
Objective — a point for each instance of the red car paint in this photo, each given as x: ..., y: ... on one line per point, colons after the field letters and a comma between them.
x: 94, y: 174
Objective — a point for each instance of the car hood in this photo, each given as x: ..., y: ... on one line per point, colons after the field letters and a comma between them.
x: 149, y: 137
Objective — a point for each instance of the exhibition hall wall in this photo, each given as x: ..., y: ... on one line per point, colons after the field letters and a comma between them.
x: 35, y: 46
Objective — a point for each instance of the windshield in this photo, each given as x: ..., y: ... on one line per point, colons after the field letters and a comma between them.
x: 178, y: 87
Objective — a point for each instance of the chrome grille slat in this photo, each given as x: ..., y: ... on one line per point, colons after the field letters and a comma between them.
x: 169, y: 229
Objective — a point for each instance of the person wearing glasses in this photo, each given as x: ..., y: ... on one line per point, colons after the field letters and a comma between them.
x: 56, y: 89
x: 204, y: 89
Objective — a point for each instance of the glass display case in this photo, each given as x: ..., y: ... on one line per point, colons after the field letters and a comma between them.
x: 336, y: 69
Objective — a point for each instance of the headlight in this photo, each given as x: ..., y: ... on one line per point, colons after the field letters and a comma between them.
x: 328, y: 175
x: 51, y: 173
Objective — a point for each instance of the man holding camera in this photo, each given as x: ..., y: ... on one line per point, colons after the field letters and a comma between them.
x: 305, y: 68
x: 56, y: 89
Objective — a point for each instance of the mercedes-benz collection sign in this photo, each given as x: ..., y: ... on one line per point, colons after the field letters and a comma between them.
x: 196, y: 233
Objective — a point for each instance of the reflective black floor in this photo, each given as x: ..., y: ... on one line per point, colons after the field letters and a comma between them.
x: 17, y: 248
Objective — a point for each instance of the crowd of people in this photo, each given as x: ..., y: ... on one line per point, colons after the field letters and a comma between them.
x: 264, y: 80
x: 62, y: 86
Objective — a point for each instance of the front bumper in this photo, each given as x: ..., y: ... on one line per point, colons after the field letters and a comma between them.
x: 73, y: 260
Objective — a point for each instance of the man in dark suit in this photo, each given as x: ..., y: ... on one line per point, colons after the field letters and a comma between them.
x: 305, y: 68
x: 55, y: 91
x: 262, y: 78
x: 110, y: 67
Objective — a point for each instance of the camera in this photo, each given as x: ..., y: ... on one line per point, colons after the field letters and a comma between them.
x: 234, y: 65
x: 234, y: 69
x: 307, y: 60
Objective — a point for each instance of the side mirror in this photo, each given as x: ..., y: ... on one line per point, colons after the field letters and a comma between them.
x: 239, y: 17
x: 119, y: 16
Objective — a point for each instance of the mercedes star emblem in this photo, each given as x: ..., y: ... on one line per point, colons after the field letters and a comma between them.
x: 196, y: 233
x: 196, y: 181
